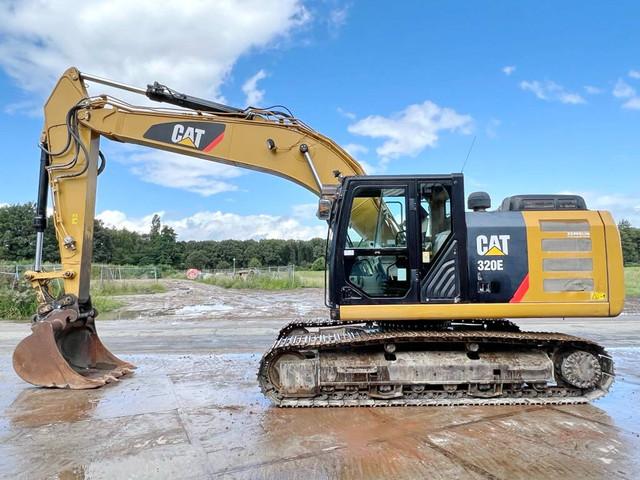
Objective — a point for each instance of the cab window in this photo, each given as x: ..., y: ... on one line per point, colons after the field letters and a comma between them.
x: 376, y: 257
x: 435, y: 219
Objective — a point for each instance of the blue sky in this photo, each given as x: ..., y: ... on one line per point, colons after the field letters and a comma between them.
x: 550, y: 92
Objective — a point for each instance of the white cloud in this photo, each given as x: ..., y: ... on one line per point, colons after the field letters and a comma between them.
x: 623, y: 90
x: 338, y: 18
x: 346, y: 114
x: 371, y: 169
x: 30, y: 108
x: 178, y: 171
x: 412, y: 130
x: 304, y: 211
x: 355, y: 149
x: 591, y: 90
x: 551, y: 91
x: 118, y: 219
x: 632, y: 103
x: 634, y: 74
x: 189, y: 46
x: 220, y: 225
x: 508, y: 70
x: 251, y: 90
x: 622, y: 207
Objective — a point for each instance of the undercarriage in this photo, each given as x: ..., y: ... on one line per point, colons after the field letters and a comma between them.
x: 480, y: 362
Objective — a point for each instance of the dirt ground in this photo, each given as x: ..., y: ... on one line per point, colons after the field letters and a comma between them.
x: 193, y: 408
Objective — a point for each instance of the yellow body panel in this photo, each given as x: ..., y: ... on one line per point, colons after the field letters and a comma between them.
x: 537, y: 255
x: 605, y: 254
x: 615, y: 265
x: 444, y: 311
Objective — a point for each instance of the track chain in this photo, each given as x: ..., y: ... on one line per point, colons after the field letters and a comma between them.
x: 486, y: 324
x: 354, y: 338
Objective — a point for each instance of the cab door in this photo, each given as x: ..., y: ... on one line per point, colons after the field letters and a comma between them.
x: 376, y: 258
x: 442, y: 239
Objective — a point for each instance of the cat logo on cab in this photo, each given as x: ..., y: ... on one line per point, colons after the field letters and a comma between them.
x: 492, y: 246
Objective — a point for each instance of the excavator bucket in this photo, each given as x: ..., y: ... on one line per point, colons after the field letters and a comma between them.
x: 64, y: 352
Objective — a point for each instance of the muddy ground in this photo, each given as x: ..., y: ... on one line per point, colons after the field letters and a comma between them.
x: 193, y: 408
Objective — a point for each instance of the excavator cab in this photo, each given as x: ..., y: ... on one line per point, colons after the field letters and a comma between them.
x: 399, y: 240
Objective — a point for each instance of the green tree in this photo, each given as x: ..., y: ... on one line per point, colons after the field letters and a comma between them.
x: 196, y: 259
x: 254, y: 263
x: 630, y: 239
x: 102, y: 243
x: 17, y: 236
x: 223, y: 264
x: 155, y: 226
x: 318, y: 264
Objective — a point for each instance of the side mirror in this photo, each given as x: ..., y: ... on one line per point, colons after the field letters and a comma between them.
x: 324, y: 209
x: 478, y: 201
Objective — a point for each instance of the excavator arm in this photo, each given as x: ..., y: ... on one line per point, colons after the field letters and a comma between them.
x: 262, y: 140
x: 265, y: 140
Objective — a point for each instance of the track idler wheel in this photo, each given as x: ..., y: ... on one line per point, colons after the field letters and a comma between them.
x: 581, y: 369
x: 66, y: 352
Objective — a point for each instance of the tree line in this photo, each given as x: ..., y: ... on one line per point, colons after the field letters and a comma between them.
x: 630, y: 237
x: 161, y: 247
x: 158, y: 247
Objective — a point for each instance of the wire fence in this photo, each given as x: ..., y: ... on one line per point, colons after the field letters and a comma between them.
x: 283, y: 272
x: 12, y: 274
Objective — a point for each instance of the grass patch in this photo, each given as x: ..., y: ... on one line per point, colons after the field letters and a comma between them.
x: 106, y: 304
x: 254, y: 282
x: 632, y: 281
x: 310, y: 278
x: 20, y: 303
x: 17, y: 304
x: 303, y: 279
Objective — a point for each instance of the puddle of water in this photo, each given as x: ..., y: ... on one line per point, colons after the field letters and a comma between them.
x: 192, y: 310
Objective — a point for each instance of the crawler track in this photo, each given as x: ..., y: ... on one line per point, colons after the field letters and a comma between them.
x: 335, y: 336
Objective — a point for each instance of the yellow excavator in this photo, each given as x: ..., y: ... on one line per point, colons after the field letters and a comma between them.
x: 419, y: 288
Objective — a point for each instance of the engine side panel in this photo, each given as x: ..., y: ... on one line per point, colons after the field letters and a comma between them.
x: 568, y: 257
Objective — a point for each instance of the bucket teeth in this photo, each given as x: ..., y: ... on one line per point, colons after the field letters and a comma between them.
x: 62, y: 352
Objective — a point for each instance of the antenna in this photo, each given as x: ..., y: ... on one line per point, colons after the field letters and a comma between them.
x: 473, y: 142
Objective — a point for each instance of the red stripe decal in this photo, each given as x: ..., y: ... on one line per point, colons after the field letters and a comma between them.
x: 214, y: 142
x: 521, y: 291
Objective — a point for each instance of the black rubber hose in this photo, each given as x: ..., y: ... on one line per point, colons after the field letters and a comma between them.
x: 103, y: 162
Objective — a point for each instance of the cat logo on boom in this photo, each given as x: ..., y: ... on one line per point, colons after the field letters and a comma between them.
x: 189, y: 136
x: 493, y: 245
x: 203, y: 136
